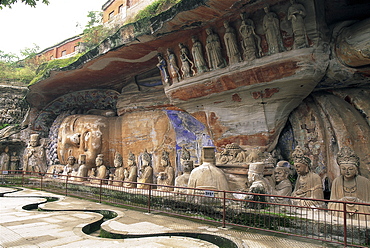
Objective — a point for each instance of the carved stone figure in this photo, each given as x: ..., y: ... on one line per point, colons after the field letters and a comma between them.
x: 119, y: 173
x: 34, y: 159
x: 82, y: 169
x: 251, y: 42
x: 282, y: 186
x: 271, y: 27
x: 296, y: 15
x: 70, y: 166
x: 308, y: 184
x: 167, y: 177
x: 207, y: 176
x: 146, y: 170
x: 183, y: 180
x: 214, y: 51
x: 256, y: 182
x: 231, y: 44
x: 14, y: 161
x: 197, y: 52
x: 350, y: 186
x: 100, y: 172
x: 132, y: 171
x: 173, y: 68
x: 162, y: 66
x: 5, y: 159
x: 186, y: 63
x: 185, y: 154
x: 232, y: 154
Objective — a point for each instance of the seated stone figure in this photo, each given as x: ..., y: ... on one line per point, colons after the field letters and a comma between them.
x: 34, y: 158
x: 146, y: 171
x: 131, y: 178
x: 167, y: 177
x: 100, y: 172
x: 256, y: 182
x: 70, y: 166
x: 282, y: 185
x: 82, y: 169
x: 308, y: 184
x: 183, y: 180
x: 349, y: 186
x: 119, y: 174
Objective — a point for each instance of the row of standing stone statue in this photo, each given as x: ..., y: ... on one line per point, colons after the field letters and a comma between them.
x: 250, y: 43
x: 9, y: 162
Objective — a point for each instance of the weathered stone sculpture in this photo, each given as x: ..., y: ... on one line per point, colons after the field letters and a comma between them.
x: 167, y: 177
x: 197, y: 52
x: 251, y: 42
x: 232, y: 154
x: 34, y: 159
x: 183, y: 180
x: 256, y: 182
x: 70, y: 166
x: 186, y: 64
x: 214, y: 51
x: 146, y: 170
x: 14, y: 161
x: 100, y: 172
x: 271, y: 27
x: 162, y: 66
x: 173, y: 68
x: 119, y: 173
x: 282, y: 186
x: 349, y: 186
x: 296, y: 15
x: 308, y: 184
x: 231, y: 44
x: 132, y: 171
x: 5, y: 160
x: 207, y: 176
x: 82, y: 169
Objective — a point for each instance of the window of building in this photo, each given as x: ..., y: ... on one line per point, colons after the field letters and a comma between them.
x: 64, y: 53
x: 111, y: 14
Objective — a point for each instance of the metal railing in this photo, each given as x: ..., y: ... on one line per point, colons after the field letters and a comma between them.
x: 339, y: 225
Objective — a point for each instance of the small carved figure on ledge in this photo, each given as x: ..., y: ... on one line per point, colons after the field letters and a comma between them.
x: 70, y: 166
x: 251, y: 42
x: 131, y: 177
x: 296, y: 15
x: 173, y: 68
x: 197, y: 52
x: 350, y: 186
x: 308, y: 184
x: 186, y: 64
x: 167, y: 177
x: 214, y: 51
x: 146, y: 175
x: 5, y: 160
x: 183, y: 180
x: 100, y: 172
x: 162, y: 66
x: 231, y: 44
x: 119, y: 173
x: 271, y: 26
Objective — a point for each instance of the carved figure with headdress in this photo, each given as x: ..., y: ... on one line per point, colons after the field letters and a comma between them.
x: 131, y: 178
x: 167, y: 177
x: 146, y: 170
x: 34, y: 158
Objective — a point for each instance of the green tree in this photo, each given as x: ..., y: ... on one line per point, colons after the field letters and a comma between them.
x: 9, y: 3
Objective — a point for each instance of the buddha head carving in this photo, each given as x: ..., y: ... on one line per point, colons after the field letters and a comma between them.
x: 34, y: 140
x: 165, y: 160
x: 118, y: 160
x: 99, y: 160
x: 281, y: 174
x: 348, y: 163
x: 131, y: 161
x: 301, y: 163
x: 255, y: 171
x: 146, y: 159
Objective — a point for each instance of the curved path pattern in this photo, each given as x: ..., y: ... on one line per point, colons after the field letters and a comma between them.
x: 62, y: 224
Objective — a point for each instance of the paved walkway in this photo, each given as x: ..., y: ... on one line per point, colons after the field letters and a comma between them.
x: 57, y: 228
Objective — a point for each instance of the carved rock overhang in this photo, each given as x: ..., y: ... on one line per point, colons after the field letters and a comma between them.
x: 132, y: 50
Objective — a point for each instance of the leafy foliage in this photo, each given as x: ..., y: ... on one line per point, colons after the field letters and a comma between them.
x: 9, y: 3
x: 155, y: 8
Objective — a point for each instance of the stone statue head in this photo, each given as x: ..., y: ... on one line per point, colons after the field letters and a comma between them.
x: 6, y: 150
x: 165, y: 160
x: 82, y: 159
x: 185, y: 154
x: 194, y: 39
x: 281, y: 174
x: 226, y: 24
x: 301, y: 162
x: 209, y: 31
x: 34, y: 140
x: 348, y: 162
x: 131, y: 161
x: 99, y: 160
x: 118, y: 160
x: 208, y: 154
x: 255, y: 171
x: 187, y: 165
x: 146, y: 158
x: 71, y: 160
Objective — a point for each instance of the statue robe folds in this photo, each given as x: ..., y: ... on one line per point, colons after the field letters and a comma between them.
x: 308, y: 186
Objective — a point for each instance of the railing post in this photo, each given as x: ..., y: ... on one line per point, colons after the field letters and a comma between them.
x: 224, y: 211
x: 100, y: 191
x: 23, y: 178
x: 41, y: 181
x: 149, y: 197
x: 66, y: 185
x: 345, y: 224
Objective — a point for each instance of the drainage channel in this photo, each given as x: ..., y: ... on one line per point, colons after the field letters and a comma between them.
x: 94, y: 228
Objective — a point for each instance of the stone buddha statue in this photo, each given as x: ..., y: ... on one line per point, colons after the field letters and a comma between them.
x: 308, y: 184
x: 5, y: 160
x: 256, y: 182
x: 183, y: 180
x: 82, y: 169
x: 119, y: 173
x: 131, y: 178
x: 282, y: 186
x: 146, y: 171
x: 70, y: 166
x: 34, y: 158
x: 167, y: 177
x: 100, y: 172
x: 349, y: 186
